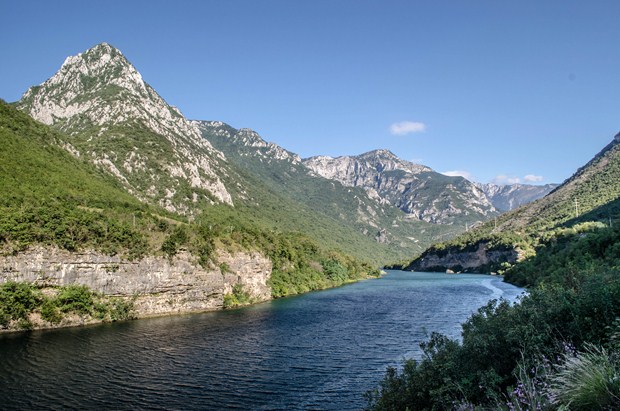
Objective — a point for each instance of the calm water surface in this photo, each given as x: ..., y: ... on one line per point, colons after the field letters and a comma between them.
x: 321, y: 350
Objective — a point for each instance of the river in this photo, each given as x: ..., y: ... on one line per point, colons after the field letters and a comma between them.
x: 321, y: 350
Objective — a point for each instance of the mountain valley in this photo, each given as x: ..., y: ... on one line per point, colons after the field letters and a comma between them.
x: 200, y: 196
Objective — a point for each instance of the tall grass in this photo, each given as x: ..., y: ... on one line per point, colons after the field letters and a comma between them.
x: 588, y: 381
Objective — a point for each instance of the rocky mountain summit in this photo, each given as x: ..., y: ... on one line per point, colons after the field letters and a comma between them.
x: 283, y: 174
x: 416, y: 189
x: 120, y: 123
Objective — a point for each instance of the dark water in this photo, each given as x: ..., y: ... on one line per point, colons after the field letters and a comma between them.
x: 318, y: 351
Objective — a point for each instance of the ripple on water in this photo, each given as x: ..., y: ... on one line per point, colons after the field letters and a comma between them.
x: 318, y: 351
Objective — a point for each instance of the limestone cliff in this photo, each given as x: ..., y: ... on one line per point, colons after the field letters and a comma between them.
x: 159, y: 285
x: 481, y: 259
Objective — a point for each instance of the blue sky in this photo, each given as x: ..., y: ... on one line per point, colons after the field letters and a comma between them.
x: 501, y: 90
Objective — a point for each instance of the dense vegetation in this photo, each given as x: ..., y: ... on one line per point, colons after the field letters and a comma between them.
x: 20, y: 303
x: 557, y: 349
x: 52, y: 198
x: 590, y: 195
x: 291, y: 198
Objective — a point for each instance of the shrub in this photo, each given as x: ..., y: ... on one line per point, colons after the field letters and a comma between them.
x: 588, y: 381
x: 17, y: 300
x: 75, y: 298
x: 121, y: 309
x: 237, y: 298
x: 50, y: 312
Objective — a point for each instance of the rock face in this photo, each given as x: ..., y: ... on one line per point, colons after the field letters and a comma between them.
x: 468, y: 261
x: 249, y: 139
x: 284, y: 173
x: 161, y: 286
x: 121, y: 124
x: 508, y: 197
x: 415, y: 189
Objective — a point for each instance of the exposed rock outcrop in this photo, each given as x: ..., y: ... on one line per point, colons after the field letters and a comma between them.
x: 120, y: 123
x: 479, y: 260
x: 159, y: 285
x: 415, y: 189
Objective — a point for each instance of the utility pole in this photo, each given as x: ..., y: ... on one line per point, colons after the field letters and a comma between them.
x: 576, y: 208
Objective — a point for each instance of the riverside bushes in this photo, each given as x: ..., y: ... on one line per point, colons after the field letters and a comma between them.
x: 20, y: 301
x: 556, y: 349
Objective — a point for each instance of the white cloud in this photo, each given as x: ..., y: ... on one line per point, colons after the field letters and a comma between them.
x: 531, y: 178
x: 407, y: 127
x: 504, y: 179
x: 458, y: 173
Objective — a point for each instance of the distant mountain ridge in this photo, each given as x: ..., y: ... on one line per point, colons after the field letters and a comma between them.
x: 592, y: 194
x: 117, y: 121
x: 422, y: 192
x: 506, y: 197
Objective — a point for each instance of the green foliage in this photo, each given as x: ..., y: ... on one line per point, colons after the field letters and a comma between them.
x: 334, y: 271
x: 77, y: 299
x: 589, y: 380
x: 50, y: 311
x: 237, y: 298
x: 50, y: 197
x: 176, y: 239
x: 484, y: 368
x: 120, y: 309
x: 18, y: 301
x: 568, y: 256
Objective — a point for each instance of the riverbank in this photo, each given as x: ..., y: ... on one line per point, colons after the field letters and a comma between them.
x: 320, y: 350
x: 47, y: 288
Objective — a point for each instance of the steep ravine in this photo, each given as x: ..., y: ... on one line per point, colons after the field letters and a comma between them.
x: 158, y: 285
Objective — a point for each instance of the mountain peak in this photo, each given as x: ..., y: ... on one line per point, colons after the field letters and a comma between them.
x: 416, y: 189
x: 381, y: 152
x: 98, y: 94
x: 101, y: 87
x: 99, y: 75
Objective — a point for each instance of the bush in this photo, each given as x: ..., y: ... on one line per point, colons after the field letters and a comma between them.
x: 334, y: 271
x: 17, y: 300
x: 75, y: 298
x: 237, y: 298
x: 484, y: 367
x: 50, y: 312
x: 120, y: 309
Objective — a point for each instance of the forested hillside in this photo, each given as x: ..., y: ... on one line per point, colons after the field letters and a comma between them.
x: 53, y: 199
x: 588, y: 196
x: 559, y: 348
